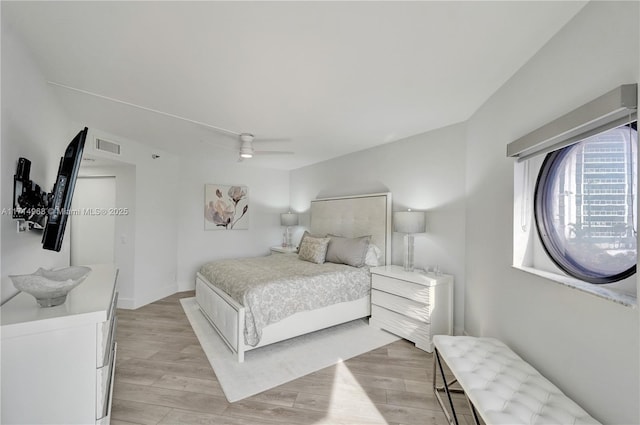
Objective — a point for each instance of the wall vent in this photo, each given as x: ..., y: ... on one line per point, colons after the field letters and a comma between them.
x: 107, y: 146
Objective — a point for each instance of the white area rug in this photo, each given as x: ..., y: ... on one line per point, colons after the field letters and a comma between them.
x: 273, y: 365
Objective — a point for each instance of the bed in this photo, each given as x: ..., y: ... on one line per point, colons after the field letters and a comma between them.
x: 338, y: 293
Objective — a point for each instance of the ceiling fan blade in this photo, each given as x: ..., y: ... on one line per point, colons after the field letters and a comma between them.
x: 281, y: 139
x: 221, y: 146
x: 273, y: 153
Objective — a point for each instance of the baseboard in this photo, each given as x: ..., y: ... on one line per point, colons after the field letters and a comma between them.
x: 126, y: 303
x: 157, y: 295
x: 187, y: 285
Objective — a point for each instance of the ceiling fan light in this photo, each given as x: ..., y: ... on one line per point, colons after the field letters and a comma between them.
x: 246, y: 150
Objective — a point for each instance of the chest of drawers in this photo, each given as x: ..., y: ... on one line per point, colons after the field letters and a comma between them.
x: 412, y: 305
x: 58, y: 362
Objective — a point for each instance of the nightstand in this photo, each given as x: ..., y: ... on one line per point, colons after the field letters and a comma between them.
x: 284, y: 250
x: 413, y: 305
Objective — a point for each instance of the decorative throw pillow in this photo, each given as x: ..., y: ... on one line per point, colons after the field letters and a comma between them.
x: 313, y: 249
x: 349, y: 251
x: 305, y: 234
x: 372, y: 259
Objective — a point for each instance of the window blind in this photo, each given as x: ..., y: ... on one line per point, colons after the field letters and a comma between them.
x: 613, y: 109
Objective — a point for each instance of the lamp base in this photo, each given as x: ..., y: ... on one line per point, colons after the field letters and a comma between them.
x: 286, y: 238
x: 408, y: 253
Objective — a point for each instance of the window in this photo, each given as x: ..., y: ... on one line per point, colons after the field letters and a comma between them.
x: 575, y: 198
x: 585, y: 207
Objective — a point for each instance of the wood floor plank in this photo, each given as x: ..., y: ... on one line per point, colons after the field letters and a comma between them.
x: 418, y: 386
x: 138, y: 376
x: 170, y: 398
x: 141, y: 344
x: 163, y: 377
x: 181, y: 357
x: 180, y: 369
x: 138, y: 413
x: 185, y: 417
x: 257, y: 410
x: 325, y: 384
x: 189, y: 384
x: 370, y: 381
x: 137, y: 334
x: 119, y: 422
x: 423, y: 400
x: 124, y: 353
x: 357, y: 409
x: 382, y: 358
x: 193, y: 348
x: 395, y: 370
x: 277, y: 396
x: 411, y: 415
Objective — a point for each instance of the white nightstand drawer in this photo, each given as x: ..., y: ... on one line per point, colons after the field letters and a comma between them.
x: 402, y: 288
x: 413, y: 330
x: 406, y: 307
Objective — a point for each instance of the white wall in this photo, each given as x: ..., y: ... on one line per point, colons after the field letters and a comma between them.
x: 423, y: 172
x: 153, y: 264
x: 125, y: 229
x: 586, y: 345
x: 34, y: 126
x: 268, y: 197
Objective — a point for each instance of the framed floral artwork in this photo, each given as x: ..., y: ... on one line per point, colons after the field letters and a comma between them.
x: 226, y: 207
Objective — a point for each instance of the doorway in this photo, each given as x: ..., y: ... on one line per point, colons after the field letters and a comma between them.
x: 92, y: 225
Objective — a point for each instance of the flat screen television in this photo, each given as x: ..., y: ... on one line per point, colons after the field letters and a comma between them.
x: 62, y: 194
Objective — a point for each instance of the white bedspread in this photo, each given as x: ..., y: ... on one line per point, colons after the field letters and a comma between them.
x: 274, y: 287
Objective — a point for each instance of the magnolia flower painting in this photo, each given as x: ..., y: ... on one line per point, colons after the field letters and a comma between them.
x: 225, y: 207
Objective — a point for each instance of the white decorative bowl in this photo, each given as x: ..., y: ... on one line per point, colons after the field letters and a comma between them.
x: 50, y: 287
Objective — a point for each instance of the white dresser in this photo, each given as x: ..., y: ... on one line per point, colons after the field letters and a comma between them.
x: 58, y: 362
x: 413, y: 305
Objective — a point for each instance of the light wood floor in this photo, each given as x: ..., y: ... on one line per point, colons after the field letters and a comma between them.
x: 163, y: 377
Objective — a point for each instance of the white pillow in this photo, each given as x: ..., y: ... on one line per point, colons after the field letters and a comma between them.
x: 372, y: 257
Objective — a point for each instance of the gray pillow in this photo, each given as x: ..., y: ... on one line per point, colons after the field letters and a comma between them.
x: 349, y: 251
x: 313, y: 249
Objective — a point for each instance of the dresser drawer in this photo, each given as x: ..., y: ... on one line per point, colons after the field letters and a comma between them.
x: 401, y: 305
x: 104, y: 385
x: 405, y: 327
x: 402, y: 288
x: 106, y: 334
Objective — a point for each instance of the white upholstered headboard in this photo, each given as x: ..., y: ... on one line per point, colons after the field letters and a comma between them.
x: 354, y: 216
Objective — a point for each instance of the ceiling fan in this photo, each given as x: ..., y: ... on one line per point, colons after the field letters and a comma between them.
x: 246, y: 147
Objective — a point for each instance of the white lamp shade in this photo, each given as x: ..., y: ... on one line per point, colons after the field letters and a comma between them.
x: 409, y: 221
x: 289, y: 219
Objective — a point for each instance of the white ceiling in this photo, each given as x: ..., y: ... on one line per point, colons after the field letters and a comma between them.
x: 334, y: 77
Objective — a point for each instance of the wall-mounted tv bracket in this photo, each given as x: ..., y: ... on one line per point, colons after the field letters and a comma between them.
x: 30, y: 202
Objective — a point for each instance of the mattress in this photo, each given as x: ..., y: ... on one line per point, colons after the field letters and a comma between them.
x: 274, y: 287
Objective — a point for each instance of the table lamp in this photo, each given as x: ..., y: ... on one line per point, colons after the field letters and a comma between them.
x: 409, y: 222
x: 288, y: 219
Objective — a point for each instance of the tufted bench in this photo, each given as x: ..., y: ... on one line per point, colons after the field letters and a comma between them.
x: 500, y: 387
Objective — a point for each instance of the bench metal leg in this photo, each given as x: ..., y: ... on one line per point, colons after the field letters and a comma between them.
x: 473, y: 410
x: 446, y: 387
x: 453, y: 418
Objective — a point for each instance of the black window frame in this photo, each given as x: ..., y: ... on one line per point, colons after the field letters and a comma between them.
x: 544, y: 222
